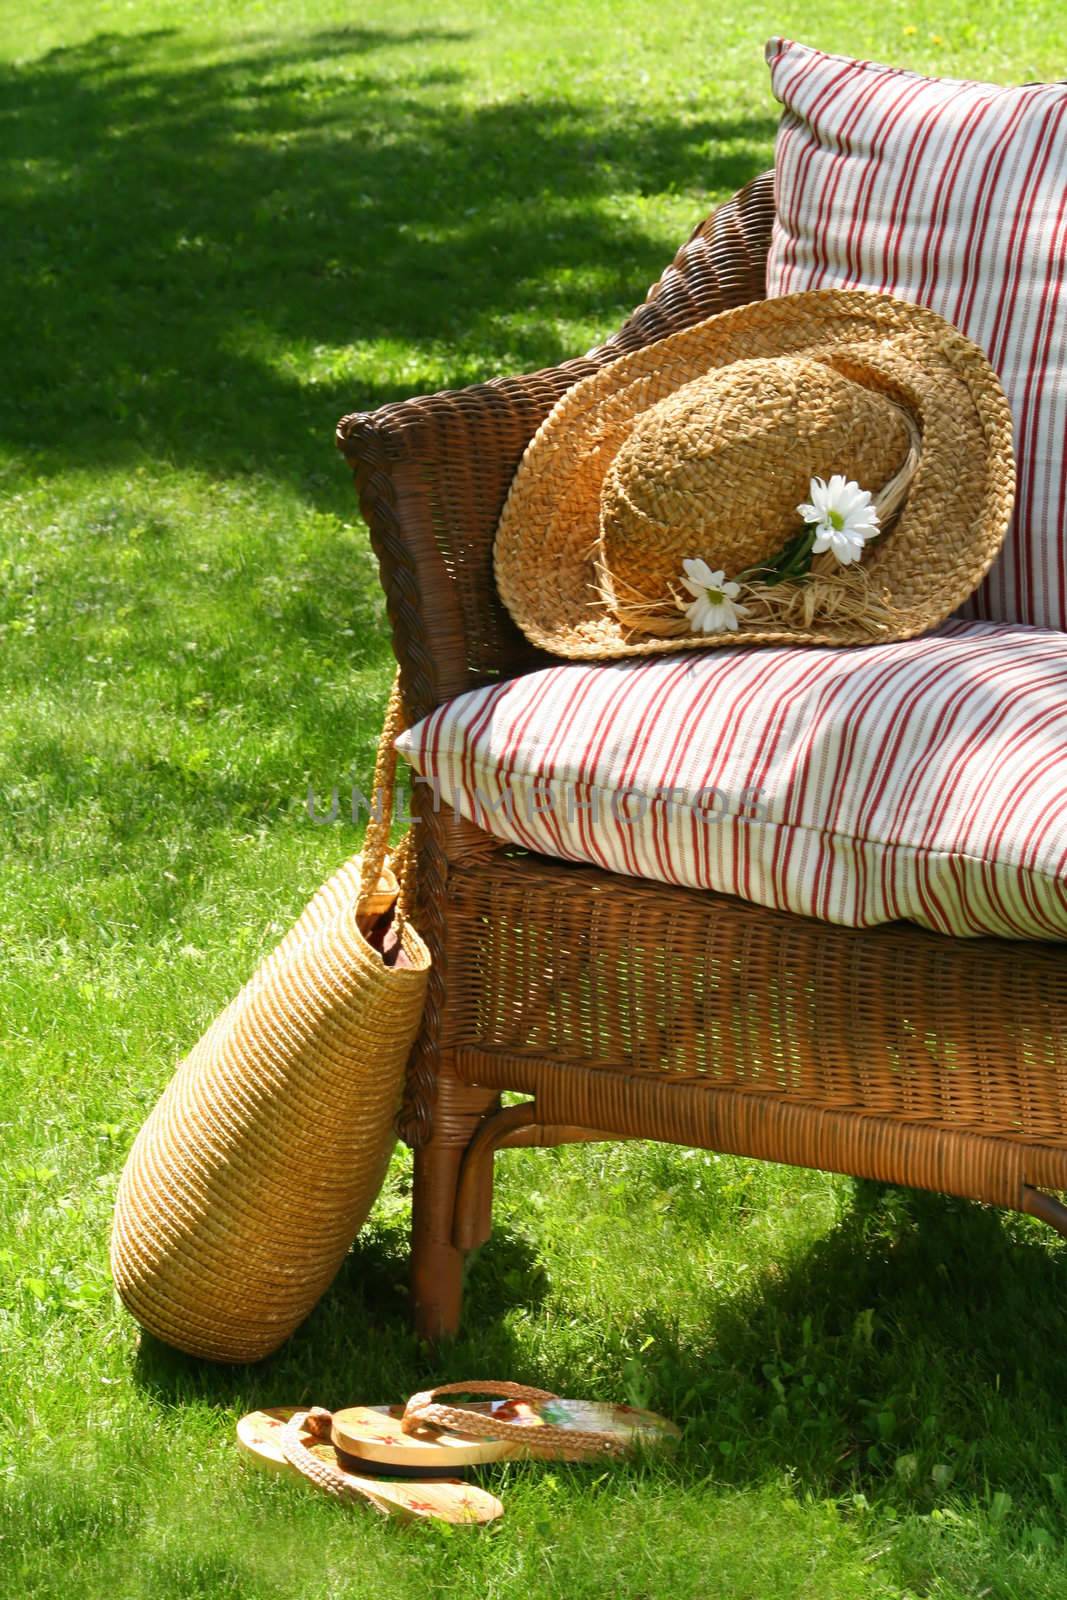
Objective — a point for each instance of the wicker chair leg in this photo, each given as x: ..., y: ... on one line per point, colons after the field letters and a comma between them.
x: 1038, y: 1204
x: 436, y: 1266
x: 518, y: 1127
x: 436, y: 1263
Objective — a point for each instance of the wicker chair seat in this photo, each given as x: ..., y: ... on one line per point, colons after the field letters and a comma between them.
x: 569, y: 965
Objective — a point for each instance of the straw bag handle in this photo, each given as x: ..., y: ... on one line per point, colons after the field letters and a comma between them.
x: 376, y: 838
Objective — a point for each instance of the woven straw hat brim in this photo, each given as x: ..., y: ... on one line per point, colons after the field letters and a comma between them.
x: 947, y: 536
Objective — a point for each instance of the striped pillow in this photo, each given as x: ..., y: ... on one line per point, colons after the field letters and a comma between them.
x: 925, y: 780
x: 953, y: 195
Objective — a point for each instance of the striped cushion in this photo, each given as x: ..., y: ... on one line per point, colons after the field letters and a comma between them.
x: 924, y: 780
x: 953, y: 195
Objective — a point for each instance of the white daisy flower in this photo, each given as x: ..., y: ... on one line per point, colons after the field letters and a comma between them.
x: 714, y: 608
x: 844, y: 516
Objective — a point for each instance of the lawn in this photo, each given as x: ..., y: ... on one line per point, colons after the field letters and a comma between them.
x: 226, y: 223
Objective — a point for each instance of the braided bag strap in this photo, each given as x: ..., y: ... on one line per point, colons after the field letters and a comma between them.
x: 376, y: 838
x: 540, y: 1439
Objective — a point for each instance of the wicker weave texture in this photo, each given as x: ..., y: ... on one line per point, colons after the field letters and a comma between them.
x: 638, y: 1009
x: 688, y: 1111
x: 573, y: 965
x: 433, y: 473
x: 248, y: 1182
x: 258, y: 1165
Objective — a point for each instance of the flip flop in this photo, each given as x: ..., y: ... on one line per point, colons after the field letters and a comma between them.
x: 522, y: 1424
x: 285, y: 1439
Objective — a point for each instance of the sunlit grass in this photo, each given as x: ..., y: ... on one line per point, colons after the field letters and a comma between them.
x: 226, y: 224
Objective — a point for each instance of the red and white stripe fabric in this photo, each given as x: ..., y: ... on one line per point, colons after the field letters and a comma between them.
x: 952, y: 195
x: 924, y: 780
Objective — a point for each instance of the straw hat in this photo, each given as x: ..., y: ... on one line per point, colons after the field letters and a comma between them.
x: 833, y: 467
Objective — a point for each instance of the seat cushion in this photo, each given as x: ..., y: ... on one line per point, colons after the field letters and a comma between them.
x: 924, y: 780
x: 950, y: 195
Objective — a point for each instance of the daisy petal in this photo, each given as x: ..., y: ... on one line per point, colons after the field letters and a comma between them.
x: 699, y: 571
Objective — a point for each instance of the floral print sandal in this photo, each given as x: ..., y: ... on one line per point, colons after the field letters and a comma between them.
x: 519, y: 1423
x: 285, y: 1439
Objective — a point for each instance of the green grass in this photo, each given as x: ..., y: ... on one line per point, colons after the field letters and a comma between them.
x: 225, y: 224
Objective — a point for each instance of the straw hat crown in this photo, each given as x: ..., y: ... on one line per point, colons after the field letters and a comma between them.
x: 719, y: 467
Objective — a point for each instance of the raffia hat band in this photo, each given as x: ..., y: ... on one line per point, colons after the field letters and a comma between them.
x: 833, y: 467
x: 819, y: 558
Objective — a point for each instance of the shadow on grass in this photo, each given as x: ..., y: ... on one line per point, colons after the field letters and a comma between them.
x: 358, y: 1342
x: 211, y: 259
x: 910, y: 1357
x: 180, y: 226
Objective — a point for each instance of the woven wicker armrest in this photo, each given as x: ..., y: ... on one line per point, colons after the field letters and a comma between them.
x: 432, y: 473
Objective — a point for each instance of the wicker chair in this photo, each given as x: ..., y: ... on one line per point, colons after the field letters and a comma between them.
x: 636, y: 1010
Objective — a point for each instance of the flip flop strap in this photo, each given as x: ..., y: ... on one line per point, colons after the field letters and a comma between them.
x: 539, y: 1438
x: 319, y: 1423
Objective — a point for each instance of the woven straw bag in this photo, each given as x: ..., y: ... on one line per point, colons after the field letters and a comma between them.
x: 261, y: 1160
